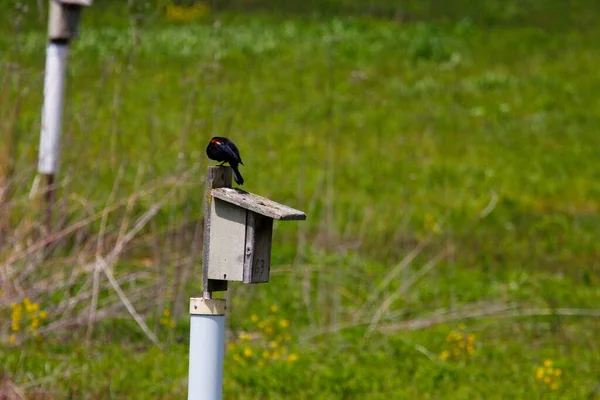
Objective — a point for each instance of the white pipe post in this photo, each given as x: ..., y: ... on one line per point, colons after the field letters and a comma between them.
x: 63, y: 23
x: 54, y: 89
x: 207, y: 348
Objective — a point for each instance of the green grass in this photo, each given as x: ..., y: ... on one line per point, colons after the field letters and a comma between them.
x: 379, y: 131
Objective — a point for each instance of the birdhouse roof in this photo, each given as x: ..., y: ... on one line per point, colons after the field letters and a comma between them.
x: 258, y: 204
x: 77, y: 2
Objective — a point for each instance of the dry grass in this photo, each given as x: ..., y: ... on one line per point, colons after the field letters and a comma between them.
x: 73, y: 271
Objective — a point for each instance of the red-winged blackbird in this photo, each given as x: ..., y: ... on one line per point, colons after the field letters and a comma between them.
x: 224, y: 150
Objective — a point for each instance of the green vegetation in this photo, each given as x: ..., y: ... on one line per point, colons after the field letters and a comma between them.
x: 447, y: 162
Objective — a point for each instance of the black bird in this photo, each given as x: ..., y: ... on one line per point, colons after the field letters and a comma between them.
x: 224, y: 150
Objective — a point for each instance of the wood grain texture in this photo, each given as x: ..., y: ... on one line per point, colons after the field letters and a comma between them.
x: 202, y: 306
x: 257, y: 261
x: 258, y: 204
x: 215, y: 177
x: 227, y: 241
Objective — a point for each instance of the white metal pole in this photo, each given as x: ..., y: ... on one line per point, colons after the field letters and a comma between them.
x: 207, y: 348
x: 63, y: 21
x: 54, y: 88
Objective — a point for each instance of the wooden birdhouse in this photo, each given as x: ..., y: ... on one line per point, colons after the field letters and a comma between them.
x: 63, y: 24
x: 238, y: 229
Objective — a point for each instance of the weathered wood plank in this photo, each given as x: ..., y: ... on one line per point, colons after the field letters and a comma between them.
x: 261, y: 260
x: 258, y: 204
x: 249, y: 248
x: 227, y: 241
x: 215, y: 177
x: 257, y: 263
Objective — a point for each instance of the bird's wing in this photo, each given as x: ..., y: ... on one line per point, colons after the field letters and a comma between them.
x: 233, y: 151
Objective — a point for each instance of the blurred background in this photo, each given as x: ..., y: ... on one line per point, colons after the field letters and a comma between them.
x: 445, y: 153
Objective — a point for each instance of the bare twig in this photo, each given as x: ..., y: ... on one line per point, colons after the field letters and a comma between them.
x: 391, y: 275
x: 499, y: 311
x: 469, y: 311
x: 405, y: 286
x: 490, y: 207
x: 127, y: 303
x: 130, y: 203
x: 99, y: 251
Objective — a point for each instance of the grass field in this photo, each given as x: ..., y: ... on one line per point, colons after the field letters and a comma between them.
x: 447, y: 162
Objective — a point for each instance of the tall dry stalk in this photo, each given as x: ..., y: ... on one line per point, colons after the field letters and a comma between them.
x: 328, y: 290
x: 99, y: 252
x: 8, y: 146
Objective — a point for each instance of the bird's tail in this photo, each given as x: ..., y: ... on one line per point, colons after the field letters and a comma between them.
x: 236, y: 174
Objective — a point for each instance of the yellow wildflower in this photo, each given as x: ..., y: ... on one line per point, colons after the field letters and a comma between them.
x: 254, y: 318
x: 186, y: 14
x: 12, y: 339
x: 32, y: 308
x: 274, y: 308
x: 15, y: 325
x: 539, y: 373
x: 284, y: 323
x: 292, y: 357
x: 248, y: 352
